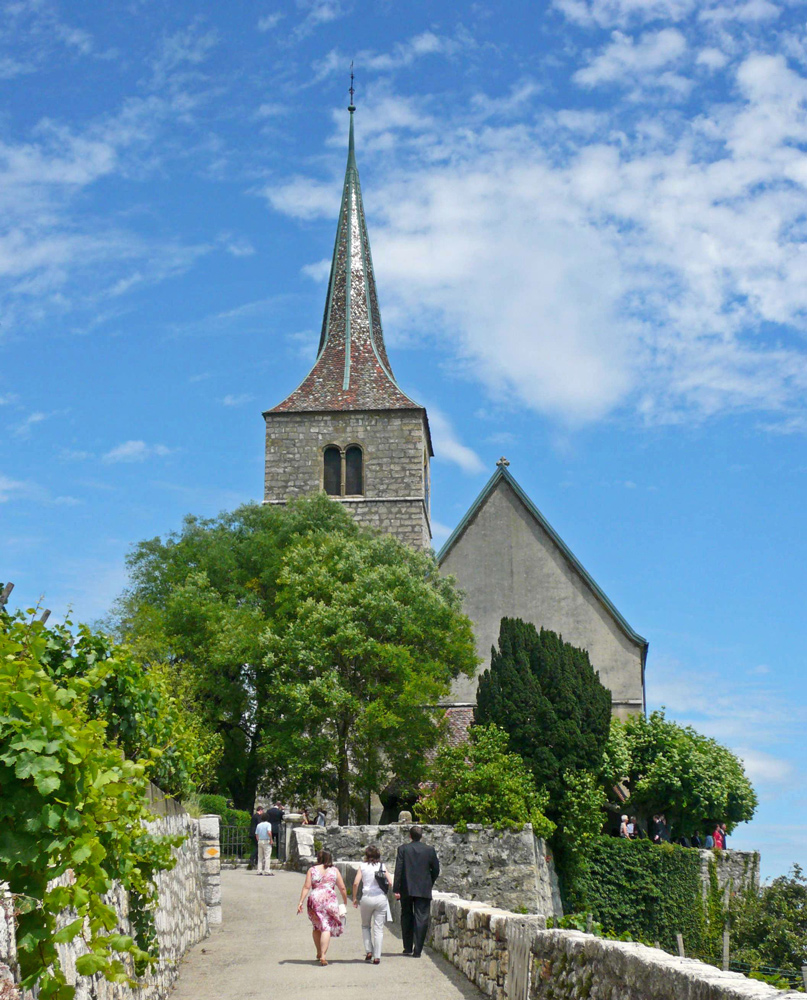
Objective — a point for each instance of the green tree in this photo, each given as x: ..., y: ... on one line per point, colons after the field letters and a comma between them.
x: 481, y: 781
x: 70, y: 800
x: 366, y: 635
x: 198, y: 604
x: 673, y: 769
x: 545, y: 694
x: 769, y: 924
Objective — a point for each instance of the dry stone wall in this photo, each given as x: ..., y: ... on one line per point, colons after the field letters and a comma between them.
x: 189, y: 902
x: 735, y: 870
x: 515, y: 957
x: 509, y: 869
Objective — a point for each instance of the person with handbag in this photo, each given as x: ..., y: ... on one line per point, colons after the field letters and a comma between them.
x: 370, y: 893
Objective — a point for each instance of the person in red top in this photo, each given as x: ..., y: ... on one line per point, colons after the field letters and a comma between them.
x: 720, y: 843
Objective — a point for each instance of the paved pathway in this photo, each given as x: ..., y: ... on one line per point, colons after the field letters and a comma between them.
x: 263, y: 949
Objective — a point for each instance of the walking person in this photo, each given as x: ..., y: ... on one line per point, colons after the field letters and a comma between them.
x: 624, y: 833
x: 374, y: 906
x: 275, y: 817
x: 416, y: 869
x: 257, y: 817
x: 263, y: 834
x: 321, y: 884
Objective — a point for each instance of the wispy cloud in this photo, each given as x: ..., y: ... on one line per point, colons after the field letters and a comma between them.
x: 135, y: 451
x: 237, y: 400
x: 25, y: 428
x: 270, y: 21
x: 448, y: 447
x: 625, y: 61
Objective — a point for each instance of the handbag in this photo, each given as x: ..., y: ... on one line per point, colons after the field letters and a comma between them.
x: 382, y: 879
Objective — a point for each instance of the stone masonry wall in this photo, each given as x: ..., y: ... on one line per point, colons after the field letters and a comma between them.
x: 509, y: 869
x: 514, y: 957
x: 189, y: 902
x: 394, y: 445
x: 736, y: 870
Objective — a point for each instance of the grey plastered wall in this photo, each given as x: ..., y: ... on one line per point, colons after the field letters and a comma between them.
x: 394, y: 443
x: 508, y: 566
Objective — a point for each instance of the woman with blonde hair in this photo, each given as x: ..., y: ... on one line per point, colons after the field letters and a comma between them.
x: 320, y: 887
x: 374, y: 906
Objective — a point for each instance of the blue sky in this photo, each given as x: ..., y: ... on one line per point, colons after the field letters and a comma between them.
x: 589, y: 227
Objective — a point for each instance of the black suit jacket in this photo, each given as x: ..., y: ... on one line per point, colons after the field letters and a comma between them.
x: 416, y: 869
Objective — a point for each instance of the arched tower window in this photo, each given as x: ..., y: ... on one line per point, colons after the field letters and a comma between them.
x: 354, y: 471
x: 332, y: 472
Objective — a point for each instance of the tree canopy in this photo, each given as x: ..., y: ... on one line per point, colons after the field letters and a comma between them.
x: 481, y: 781
x: 672, y: 769
x: 547, y: 697
x: 366, y: 635
x: 311, y: 647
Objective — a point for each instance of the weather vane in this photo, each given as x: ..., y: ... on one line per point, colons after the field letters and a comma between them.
x: 352, y: 90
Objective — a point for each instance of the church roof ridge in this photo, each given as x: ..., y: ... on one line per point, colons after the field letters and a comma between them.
x: 352, y: 369
x: 503, y: 473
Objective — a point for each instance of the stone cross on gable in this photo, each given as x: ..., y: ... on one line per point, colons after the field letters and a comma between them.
x: 502, y: 462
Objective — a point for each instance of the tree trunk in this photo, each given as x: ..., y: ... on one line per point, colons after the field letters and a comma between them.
x: 343, y: 777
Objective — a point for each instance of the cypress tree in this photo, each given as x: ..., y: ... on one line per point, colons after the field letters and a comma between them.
x: 546, y: 695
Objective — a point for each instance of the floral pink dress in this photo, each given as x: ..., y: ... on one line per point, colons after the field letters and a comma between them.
x: 323, y: 906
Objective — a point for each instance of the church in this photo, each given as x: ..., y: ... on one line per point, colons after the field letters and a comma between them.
x: 350, y: 430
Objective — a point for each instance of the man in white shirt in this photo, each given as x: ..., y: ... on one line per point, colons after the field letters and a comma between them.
x: 264, y: 834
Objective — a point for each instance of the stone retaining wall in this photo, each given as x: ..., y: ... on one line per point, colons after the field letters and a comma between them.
x: 515, y: 957
x: 736, y: 870
x: 509, y: 869
x: 189, y: 902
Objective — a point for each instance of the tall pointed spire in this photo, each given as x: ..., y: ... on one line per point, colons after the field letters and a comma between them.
x: 352, y: 370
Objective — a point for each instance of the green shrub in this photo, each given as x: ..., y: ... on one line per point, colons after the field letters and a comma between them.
x: 646, y: 890
x: 218, y: 804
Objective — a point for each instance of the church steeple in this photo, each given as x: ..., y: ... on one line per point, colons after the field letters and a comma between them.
x: 352, y: 370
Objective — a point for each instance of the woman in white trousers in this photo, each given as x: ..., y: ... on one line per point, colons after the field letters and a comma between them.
x: 373, y: 906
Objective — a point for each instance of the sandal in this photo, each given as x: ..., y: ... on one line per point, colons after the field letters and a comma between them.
x: 368, y: 957
x: 323, y: 961
x: 376, y: 961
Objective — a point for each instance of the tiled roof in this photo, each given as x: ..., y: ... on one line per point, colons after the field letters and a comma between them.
x: 459, y: 720
x: 352, y: 370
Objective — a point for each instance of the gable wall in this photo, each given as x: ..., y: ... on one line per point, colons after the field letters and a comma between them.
x: 508, y: 566
x: 393, y: 442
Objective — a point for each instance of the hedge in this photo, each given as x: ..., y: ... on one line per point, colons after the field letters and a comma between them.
x: 218, y: 804
x: 648, y: 891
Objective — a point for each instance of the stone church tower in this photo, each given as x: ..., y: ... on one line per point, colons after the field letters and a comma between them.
x: 348, y: 428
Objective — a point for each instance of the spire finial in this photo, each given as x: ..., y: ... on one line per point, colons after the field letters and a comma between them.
x: 502, y: 463
x: 351, y: 107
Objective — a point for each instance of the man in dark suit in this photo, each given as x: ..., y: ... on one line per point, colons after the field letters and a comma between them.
x: 416, y: 871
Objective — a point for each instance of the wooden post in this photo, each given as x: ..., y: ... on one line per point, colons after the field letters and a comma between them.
x: 657, y: 945
x: 5, y: 593
x: 726, y: 948
x: 589, y: 922
x: 804, y: 976
x: 680, y: 939
x: 45, y: 615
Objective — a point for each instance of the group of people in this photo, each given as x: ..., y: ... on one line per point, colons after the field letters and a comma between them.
x: 264, y: 833
x: 658, y: 830
x: 416, y: 869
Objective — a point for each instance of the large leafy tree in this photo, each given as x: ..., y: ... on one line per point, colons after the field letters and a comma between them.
x: 547, y: 697
x: 365, y: 637
x: 769, y: 924
x: 198, y: 604
x: 676, y: 770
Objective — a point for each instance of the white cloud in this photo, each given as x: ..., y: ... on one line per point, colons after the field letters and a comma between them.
x: 712, y: 58
x: 440, y: 533
x: 447, y: 446
x: 269, y: 21
x: 135, y: 451
x: 6, y: 399
x: 239, y: 400
x: 24, y: 429
x: 621, y: 13
x: 764, y: 768
x: 74, y: 455
x: 304, y: 198
x: 317, y: 13
x: 10, y: 488
x: 624, y: 60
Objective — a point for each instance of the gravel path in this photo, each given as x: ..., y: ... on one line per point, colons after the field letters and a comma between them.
x: 263, y: 949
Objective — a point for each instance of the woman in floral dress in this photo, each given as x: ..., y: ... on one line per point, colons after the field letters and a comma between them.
x: 320, y: 887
